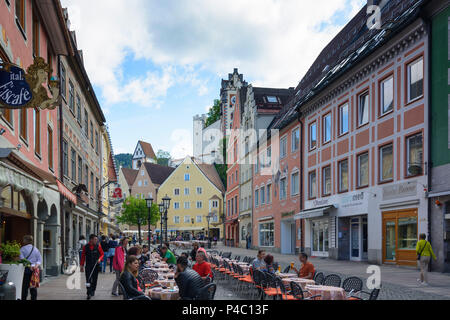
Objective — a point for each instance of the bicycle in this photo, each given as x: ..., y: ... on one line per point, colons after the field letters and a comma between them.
x: 71, y: 262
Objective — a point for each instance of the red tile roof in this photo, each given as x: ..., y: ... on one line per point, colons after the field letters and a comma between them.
x: 130, y: 175
x: 148, y: 149
x: 158, y: 174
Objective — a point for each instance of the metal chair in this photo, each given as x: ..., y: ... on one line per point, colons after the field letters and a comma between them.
x: 126, y: 297
x: 284, y: 292
x: 373, y: 295
x: 319, y: 278
x: 298, y: 293
x: 332, y: 280
x: 148, y: 276
x: 287, y: 269
x: 207, y: 292
x: 354, y: 284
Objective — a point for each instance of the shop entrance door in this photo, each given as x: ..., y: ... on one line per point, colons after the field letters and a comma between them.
x: 320, y: 238
x: 355, y: 239
x: 389, y: 240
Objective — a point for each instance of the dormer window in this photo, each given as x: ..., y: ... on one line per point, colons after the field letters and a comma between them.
x: 272, y: 99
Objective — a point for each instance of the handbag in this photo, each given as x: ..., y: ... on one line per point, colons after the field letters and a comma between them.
x: 28, y: 270
x: 420, y: 254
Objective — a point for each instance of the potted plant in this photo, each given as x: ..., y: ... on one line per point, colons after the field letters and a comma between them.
x: 11, y: 262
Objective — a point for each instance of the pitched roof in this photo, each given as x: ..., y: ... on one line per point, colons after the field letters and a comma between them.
x: 130, y: 175
x: 148, y: 149
x: 158, y: 173
x: 209, y: 170
x: 261, y: 95
x: 353, y: 43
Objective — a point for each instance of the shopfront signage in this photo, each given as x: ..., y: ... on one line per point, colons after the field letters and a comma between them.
x: 117, y: 193
x: 346, y: 204
x: 400, y: 190
x: 26, y: 90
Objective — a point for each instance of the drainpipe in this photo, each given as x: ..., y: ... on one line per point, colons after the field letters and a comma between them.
x: 61, y: 171
x: 301, y: 180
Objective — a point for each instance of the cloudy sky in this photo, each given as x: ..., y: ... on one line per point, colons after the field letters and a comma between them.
x: 155, y: 64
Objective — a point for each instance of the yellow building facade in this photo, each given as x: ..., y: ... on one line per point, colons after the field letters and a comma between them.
x: 196, y: 190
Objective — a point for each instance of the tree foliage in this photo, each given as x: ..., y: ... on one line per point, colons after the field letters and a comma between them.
x: 124, y: 160
x: 213, y: 114
x: 134, y: 209
x: 163, y: 157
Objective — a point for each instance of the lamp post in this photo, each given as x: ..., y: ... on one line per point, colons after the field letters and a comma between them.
x: 161, y: 211
x: 149, y: 203
x: 166, y: 204
x: 208, y: 218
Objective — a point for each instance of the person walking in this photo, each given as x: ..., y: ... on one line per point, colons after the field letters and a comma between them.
x: 105, y: 248
x: 118, y: 263
x: 31, y: 274
x: 92, y: 256
x: 112, y: 245
x: 424, y: 253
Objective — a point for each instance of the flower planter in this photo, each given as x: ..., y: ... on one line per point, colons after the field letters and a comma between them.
x: 15, y: 275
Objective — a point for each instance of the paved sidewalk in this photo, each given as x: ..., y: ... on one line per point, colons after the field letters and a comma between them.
x: 398, y: 283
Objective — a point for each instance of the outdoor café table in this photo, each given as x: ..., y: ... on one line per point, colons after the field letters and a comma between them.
x: 164, y: 294
x: 302, y: 282
x: 287, y: 275
x: 327, y: 292
x: 165, y: 282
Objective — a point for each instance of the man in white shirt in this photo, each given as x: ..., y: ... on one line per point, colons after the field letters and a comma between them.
x: 32, y: 254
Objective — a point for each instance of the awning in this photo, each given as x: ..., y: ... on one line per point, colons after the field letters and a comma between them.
x: 438, y: 194
x: 266, y: 218
x: 313, y: 213
x: 66, y: 192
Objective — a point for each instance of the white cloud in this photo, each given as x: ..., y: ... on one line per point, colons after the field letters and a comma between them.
x: 273, y: 42
x: 182, y: 143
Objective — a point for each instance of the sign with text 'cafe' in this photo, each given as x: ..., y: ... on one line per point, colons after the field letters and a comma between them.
x: 26, y: 90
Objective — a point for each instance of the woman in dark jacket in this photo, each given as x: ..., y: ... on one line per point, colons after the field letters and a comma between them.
x: 129, y: 279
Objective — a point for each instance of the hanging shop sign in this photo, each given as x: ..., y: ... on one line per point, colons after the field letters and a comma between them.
x: 26, y: 90
x: 117, y: 193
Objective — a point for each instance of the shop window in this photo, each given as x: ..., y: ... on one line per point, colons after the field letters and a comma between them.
x: 266, y: 234
x: 386, y: 163
x: 407, y: 233
x: 415, y: 80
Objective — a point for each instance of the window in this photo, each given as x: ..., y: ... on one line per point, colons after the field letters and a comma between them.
x: 140, y: 183
x: 78, y: 109
x: 199, y: 190
x: 176, y: 192
x: 96, y: 141
x: 312, y: 185
x: 92, y: 184
x: 86, y: 123
x: 414, y: 154
x: 92, y: 133
x: 86, y: 175
x: 63, y: 81
x: 215, y: 204
x: 36, y: 52
x: 263, y: 195
x: 23, y: 121
x: 326, y: 185
x: 272, y: 99
x: 415, y: 80
x: 327, y: 128
x: 145, y: 183
x: 407, y: 233
x: 71, y: 97
x: 50, y: 147
x: 50, y: 62
x: 176, y: 219
x: 256, y: 198
x: 266, y: 234
x: 283, y: 188
x: 363, y: 170
x: 343, y: 119
x: 343, y: 176
x: 96, y: 186
x: 199, y: 219
x: 186, y: 191
x: 269, y: 157
x: 37, y: 130
x: 283, y: 147
x: 387, y: 95
x: 295, y: 139
x: 187, y: 219
x: 386, y: 163
x: 295, y: 183
x: 363, y: 109
x: 20, y: 14
x: 187, y: 205
x: 176, y: 205
x: 269, y: 193
x: 187, y: 177
x: 80, y: 170
x: 73, y: 161
x: 312, y: 135
x: 65, y: 158
x: 199, y: 204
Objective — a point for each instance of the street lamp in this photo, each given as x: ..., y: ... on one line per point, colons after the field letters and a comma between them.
x: 149, y: 203
x: 161, y: 211
x: 166, y: 204
x: 208, y: 218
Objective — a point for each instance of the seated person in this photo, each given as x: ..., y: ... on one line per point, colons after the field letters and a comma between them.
x: 137, y: 251
x: 202, y: 267
x: 129, y: 279
x: 167, y: 255
x: 194, y: 251
x: 258, y: 263
x: 188, y: 281
x: 307, y: 270
x: 269, y: 264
